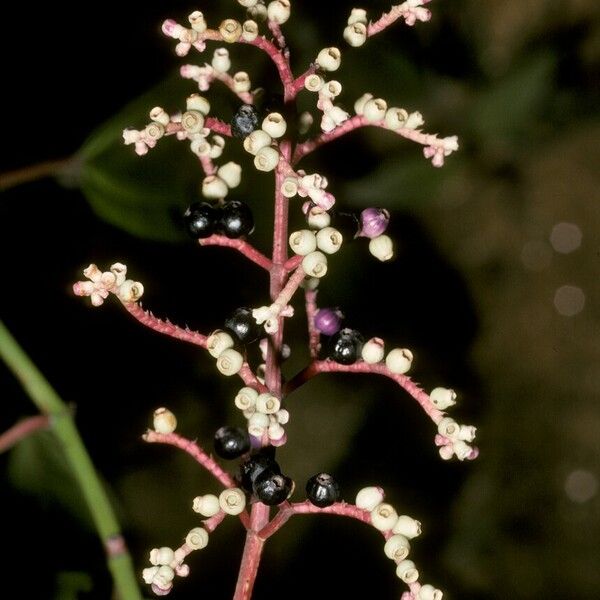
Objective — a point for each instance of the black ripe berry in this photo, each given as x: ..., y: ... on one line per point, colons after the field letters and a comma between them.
x: 322, y: 490
x: 345, y: 346
x: 255, y: 466
x: 272, y: 488
x: 201, y: 219
x: 245, y: 121
x: 243, y: 326
x: 236, y: 219
x: 231, y: 442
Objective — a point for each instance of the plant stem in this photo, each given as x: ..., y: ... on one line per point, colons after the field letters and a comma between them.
x: 62, y: 425
x: 21, y: 430
x: 48, y: 168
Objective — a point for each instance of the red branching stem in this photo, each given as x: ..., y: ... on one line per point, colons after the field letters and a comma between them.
x: 241, y: 246
x: 277, y: 34
x: 165, y: 327
x: 21, y: 430
x: 207, y: 165
x: 292, y: 263
x: 213, y: 522
x: 218, y: 126
x: 298, y: 84
x: 293, y: 283
x: 287, y: 510
x: 194, y: 450
x: 227, y: 79
x: 330, y: 366
x: 314, y: 336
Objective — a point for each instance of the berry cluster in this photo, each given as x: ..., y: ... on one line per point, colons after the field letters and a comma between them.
x: 233, y: 219
x: 261, y: 476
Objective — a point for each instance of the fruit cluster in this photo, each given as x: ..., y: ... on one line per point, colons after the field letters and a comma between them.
x: 233, y: 219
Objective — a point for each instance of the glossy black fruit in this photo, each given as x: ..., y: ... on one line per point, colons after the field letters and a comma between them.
x: 231, y: 442
x: 201, y: 219
x: 254, y: 466
x: 243, y: 326
x: 236, y: 219
x: 272, y: 488
x: 322, y: 490
x: 345, y: 346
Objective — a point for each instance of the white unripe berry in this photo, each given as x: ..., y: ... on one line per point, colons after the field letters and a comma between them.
x: 382, y: 247
x: 399, y: 360
x: 257, y: 140
x: 154, y: 131
x: 449, y: 428
x: 164, y: 421
x: 384, y: 517
x: 207, y: 505
x: 192, y: 121
x: 130, y: 291
x: 214, y: 187
x: 428, y: 592
x: 197, y: 538
x: 407, y: 572
x: 357, y: 15
x: 283, y: 416
x: 266, y: 158
x: 395, y: 117
x: 249, y: 30
x: 331, y: 89
x: 314, y: 82
x: 164, y: 576
x: 407, y: 526
x: 159, y: 115
x: 241, y: 82
x: 279, y: 11
x: 258, y: 11
x: 397, y: 548
x: 369, y: 497
x: 247, y: 3
x: 373, y: 351
x: 275, y: 431
x: 197, y: 21
x: 461, y: 449
x: 359, y: 105
x: 414, y: 120
x: 329, y: 59
x: 246, y: 398
x: 230, y: 30
x: 274, y: 124
x: 303, y: 242
x: 258, y: 423
x: 220, y: 60
x: 374, y: 109
x: 231, y: 174
x: 248, y: 413
x: 329, y: 240
x: 232, y: 501
x: 198, y: 103
x: 230, y: 362
x: 217, y: 342
x: 289, y: 187
x: 355, y: 34
x: 442, y: 397
x: 162, y: 556
x: 318, y: 218
x: 149, y: 574
x: 315, y: 264
x: 267, y: 403
x: 467, y: 433
x: 446, y: 452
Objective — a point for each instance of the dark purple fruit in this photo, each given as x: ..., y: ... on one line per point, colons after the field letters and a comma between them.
x: 243, y: 326
x: 272, y: 488
x: 201, y: 219
x: 231, y: 442
x: 345, y: 346
x: 322, y: 490
x: 254, y: 466
x: 236, y: 219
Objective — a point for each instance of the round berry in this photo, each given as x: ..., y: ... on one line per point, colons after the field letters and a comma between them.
x: 243, y: 325
x: 254, y: 466
x: 272, y: 488
x: 345, y: 347
x: 322, y: 490
x: 245, y: 121
x: 328, y: 320
x: 373, y: 222
x: 201, y: 219
x: 231, y: 442
x: 236, y: 219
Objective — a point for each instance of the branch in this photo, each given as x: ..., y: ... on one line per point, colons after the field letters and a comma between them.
x: 49, y: 168
x: 241, y: 246
x: 330, y: 366
x: 407, y: 11
x: 298, y: 84
x: 314, y: 336
x: 21, y: 430
x: 218, y: 126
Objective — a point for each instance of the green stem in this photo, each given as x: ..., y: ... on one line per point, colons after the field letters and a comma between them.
x: 61, y: 423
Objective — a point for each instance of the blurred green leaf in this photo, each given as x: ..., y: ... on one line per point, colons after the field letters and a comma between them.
x: 70, y: 584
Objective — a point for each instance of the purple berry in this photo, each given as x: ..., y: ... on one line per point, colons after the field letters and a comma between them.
x: 328, y: 320
x: 373, y: 222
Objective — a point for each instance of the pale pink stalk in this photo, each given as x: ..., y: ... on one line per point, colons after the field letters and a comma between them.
x: 218, y: 126
x: 292, y: 285
x: 292, y: 263
x: 241, y: 246
x: 408, y: 13
x: 277, y: 34
x: 207, y: 165
x: 21, y: 430
x: 314, y: 336
x: 225, y: 78
x: 298, y: 84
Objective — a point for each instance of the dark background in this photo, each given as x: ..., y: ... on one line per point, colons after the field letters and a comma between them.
x: 476, y: 277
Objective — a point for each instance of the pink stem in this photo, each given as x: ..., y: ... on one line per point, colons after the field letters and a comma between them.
x: 218, y: 126
x: 283, y: 66
x: 213, y: 522
x: 277, y: 34
x: 292, y: 263
x: 241, y: 246
x: 391, y: 17
x: 314, y: 336
x: 227, y: 79
x: 293, y: 283
x: 207, y: 165
x: 21, y: 430
x: 330, y: 366
x: 298, y: 84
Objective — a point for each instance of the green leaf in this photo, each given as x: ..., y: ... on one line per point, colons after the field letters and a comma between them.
x: 71, y: 584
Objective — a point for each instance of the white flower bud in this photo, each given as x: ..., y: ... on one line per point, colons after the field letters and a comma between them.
x: 395, y: 118
x: 258, y: 423
x: 247, y: 3
x: 314, y: 82
x: 303, y: 242
x: 356, y: 34
x: 374, y: 109
x: 369, y: 497
x: 382, y: 247
x: 207, y: 505
x: 257, y: 140
x: 407, y: 572
x: 329, y: 59
x: 318, y: 218
x: 231, y: 174
x: 414, y: 120
x: 230, y: 362
x: 267, y: 404
x: 274, y: 124
x: 333, y: 117
x: 461, y: 449
x: 197, y: 538
x: 283, y: 416
x: 279, y: 11
x: 119, y: 270
x: 246, y: 398
x: 449, y: 428
x: 384, y: 517
x: 200, y: 147
x: 162, y: 556
x: 373, y: 351
x: 359, y: 105
x: 467, y: 433
x: 399, y: 360
x: 289, y: 187
x: 407, y: 526
x: 258, y: 11
x: 131, y: 136
x: 217, y: 146
x: 164, y: 576
x: 442, y: 398
x: 249, y: 30
x: 428, y: 592
x: 217, y: 342
x: 275, y: 431
x: 446, y: 452
x: 149, y: 574
x: 164, y: 421
x: 315, y: 264
x: 214, y: 187
x: 331, y: 89
x: 130, y: 291
x: 154, y: 131
x: 192, y: 121
x: 220, y: 60
x: 397, y: 548
x: 266, y: 158
x: 197, y: 21
x: 198, y: 103
x: 357, y: 15
x: 230, y: 30
x: 159, y: 115
x: 329, y: 240
x: 232, y: 501
x: 241, y: 82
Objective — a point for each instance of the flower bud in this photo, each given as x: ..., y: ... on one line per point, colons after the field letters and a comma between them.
x: 159, y: 115
x: 356, y: 34
x: 289, y: 187
x: 428, y: 592
x: 220, y: 61
x: 373, y: 351
x: 198, y: 103
x: 374, y: 109
x: 218, y: 342
x: 197, y: 21
x: 267, y: 404
x: 314, y: 82
x: 249, y: 30
x: 241, y: 82
x: 414, y: 120
x: 164, y: 421
x: 303, y: 242
x: 329, y: 240
x: 207, y: 505
x: 197, y: 538
x: 257, y: 140
x: 246, y: 398
x: 214, y: 187
x: 258, y: 423
x: 274, y: 124
x: 449, y: 428
x: 279, y: 11
x: 230, y: 30
x: 315, y: 264
x: 397, y: 548
x: 232, y: 501
x: 407, y: 526
x: 399, y: 360
x: 331, y: 89
x: 329, y: 59
x: 407, y: 572
x: 357, y: 15
x: 384, y: 517
x: 395, y: 118
x: 154, y: 131
x: 359, y: 105
x: 382, y: 247
x: 266, y: 158
x: 130, y: 291
x: 443, y: 398
x: 369, y: 497
x: 162, y: 556
x: 230, y: 362
x: 192, y: 121
x: 231, y: 174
